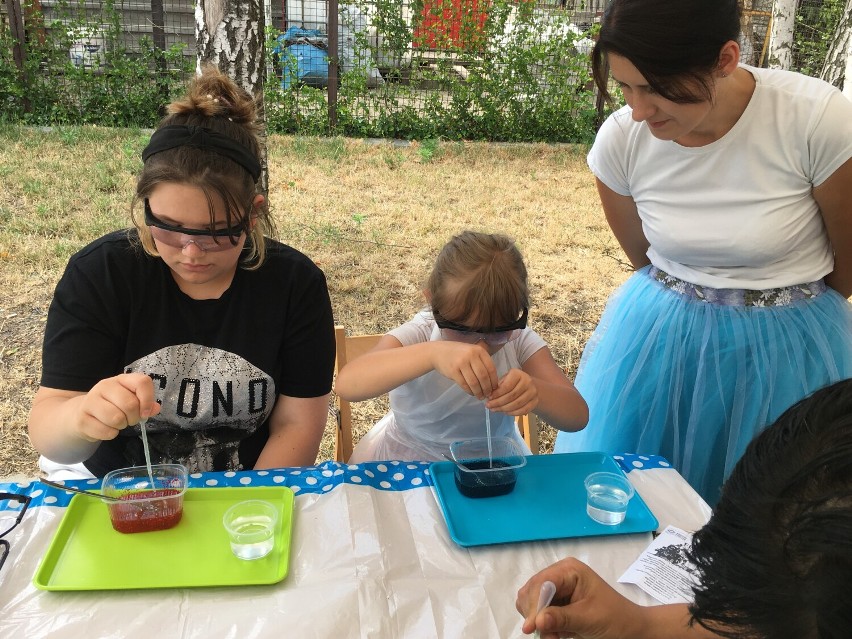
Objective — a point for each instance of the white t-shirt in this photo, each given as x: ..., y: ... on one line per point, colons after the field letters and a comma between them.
x: 736, y: 213
x: 430, y: 412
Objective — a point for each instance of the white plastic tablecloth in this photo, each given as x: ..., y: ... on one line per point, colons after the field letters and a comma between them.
x: 371, y: 557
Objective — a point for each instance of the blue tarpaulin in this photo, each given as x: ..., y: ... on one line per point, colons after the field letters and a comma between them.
x: 303, y: 57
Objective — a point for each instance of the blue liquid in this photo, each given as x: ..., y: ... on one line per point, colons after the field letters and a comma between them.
x: 499, y: 481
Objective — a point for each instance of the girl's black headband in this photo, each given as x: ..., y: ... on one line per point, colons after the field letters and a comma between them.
x: 175, y: 135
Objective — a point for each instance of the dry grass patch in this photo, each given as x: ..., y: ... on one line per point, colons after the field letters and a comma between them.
x: 373, y: 216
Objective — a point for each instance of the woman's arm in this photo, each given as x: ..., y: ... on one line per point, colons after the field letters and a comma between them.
x: 68, y: 426
x: 834, y: 197
x: 296, y: 427
x: 390, y: 364
x: 623, y: 219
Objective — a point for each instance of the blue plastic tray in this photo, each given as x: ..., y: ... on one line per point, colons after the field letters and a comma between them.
x: 548, y: 502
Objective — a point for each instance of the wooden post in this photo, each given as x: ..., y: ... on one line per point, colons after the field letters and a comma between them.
x: 158, y: 36
x: 19, y: 50
x: 16, y: 25
x: 333, y: 64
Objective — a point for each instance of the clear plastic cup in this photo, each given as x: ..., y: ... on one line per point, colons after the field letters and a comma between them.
x: 607, y: 497
x: 491, y: 469
x: 143, y: 507
x: 251, y: 527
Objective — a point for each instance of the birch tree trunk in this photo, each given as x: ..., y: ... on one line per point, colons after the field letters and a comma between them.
x: 847, y: 86
x: 230, y: 34
x: 837, y: 68
x: 781, y: 34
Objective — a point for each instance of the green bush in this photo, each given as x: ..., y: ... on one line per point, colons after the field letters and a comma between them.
x: 125, y: 89
x: 489, y: 83
x: 815, y: 25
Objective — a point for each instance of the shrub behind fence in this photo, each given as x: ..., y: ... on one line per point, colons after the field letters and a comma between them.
x: 514, y: 70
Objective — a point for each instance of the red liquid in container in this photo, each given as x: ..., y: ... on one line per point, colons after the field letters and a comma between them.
x: 133, y: 516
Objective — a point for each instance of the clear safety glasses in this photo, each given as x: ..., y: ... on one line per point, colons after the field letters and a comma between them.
x: 209, y: 241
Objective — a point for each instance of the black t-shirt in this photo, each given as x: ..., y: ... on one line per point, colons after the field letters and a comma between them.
x: 218, y: 365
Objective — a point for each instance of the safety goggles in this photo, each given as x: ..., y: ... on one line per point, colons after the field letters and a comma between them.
x: 209, y: 241
x: 9, y: 518
x: 460, y: 333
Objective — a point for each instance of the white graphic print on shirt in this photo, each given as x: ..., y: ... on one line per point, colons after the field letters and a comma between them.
x: 210, y: 400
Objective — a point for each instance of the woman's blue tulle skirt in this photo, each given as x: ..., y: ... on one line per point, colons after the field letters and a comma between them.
x: 671, y: 375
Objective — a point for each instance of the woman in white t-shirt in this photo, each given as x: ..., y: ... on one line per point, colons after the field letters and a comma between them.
x: 469, y: 354
x: 729, y: 189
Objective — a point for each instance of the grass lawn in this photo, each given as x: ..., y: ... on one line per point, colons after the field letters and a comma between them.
x: 372, y: 215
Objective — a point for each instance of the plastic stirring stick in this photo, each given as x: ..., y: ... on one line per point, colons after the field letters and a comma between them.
x: 147, y: 451
x: 488, y: 434
x: 545, y: 596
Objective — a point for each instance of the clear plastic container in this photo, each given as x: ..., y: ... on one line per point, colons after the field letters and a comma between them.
x: 607, y: 497
x: 143, y: 507
x: 251, y: 527
x: 490, y: 471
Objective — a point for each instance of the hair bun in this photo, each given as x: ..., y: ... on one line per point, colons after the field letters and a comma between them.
x: 214, y: 94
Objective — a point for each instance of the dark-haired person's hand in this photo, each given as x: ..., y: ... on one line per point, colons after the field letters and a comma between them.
x: 584, y: 605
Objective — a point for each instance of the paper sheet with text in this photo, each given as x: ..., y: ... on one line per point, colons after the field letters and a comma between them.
x: 663, y: 570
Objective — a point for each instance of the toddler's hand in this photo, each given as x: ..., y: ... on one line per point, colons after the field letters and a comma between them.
x: 516, y: 394
x: 468, y: 365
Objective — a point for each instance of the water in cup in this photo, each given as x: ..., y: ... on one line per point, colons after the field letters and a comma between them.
x: 607, y: 497
x: 607, y: 504
x: 251, y: 528
x: 252, y: 538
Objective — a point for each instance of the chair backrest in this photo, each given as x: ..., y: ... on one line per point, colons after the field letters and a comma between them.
x: 348, y: 348
x: 351, y: 346
x: 528, y: 425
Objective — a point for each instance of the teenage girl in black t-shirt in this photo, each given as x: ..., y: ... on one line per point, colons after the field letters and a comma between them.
x: 195, y: 320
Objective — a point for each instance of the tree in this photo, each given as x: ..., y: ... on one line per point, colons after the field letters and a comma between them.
x: 837, y: 68
x: 781, y: 34
x: 229, y: 34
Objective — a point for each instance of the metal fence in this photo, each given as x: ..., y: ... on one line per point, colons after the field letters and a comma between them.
x: 490, y: 69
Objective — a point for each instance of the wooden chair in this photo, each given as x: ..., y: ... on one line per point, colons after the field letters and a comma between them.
x: 348, y: 348
x: 528, y: 425
x: 351, y: 346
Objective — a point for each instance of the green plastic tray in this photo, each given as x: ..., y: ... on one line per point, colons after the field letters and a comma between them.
x: 87, y: 554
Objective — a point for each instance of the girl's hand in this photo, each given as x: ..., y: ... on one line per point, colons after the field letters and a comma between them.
x: 516, y: 394
x: 115, y: 403
x: 468, y: 365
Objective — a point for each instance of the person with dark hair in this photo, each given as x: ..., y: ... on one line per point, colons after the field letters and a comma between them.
x: 728, y: 188
x: 194, y: 320
x: 774, y: 561
x: 467, y: 359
